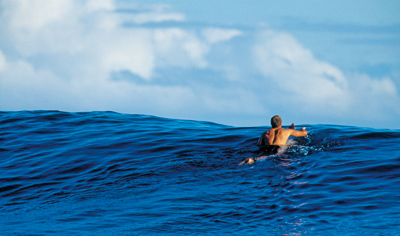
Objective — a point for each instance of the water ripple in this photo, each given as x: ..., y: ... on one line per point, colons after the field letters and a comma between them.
x: 111, y: 173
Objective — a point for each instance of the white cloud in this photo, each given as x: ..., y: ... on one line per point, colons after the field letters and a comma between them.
x: 294, y: 69
x: 47, y: 27
x: 177, y: 47
x: 216, y: 35
x: 373, y: 98
x: 123, y: 49
x: 3, y: 61
x: 158, y: 15
x: 79, y: 45
x: 86, y: 31
x: 298, y: 79
x: 375, y: 86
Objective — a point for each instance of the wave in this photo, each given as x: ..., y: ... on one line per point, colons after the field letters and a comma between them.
x: 113, y: 173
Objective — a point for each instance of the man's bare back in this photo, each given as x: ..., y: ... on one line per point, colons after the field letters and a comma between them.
x: 279, y: 136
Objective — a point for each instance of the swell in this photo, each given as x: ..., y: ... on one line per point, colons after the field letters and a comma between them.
x: 159, y: 175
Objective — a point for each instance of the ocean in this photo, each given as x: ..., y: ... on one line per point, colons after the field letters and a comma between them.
x: 106, y: 173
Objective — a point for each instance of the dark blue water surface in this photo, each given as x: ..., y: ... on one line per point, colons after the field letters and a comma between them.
x: 105, y: 173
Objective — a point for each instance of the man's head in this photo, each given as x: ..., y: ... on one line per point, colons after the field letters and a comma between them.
x: 276, y: 121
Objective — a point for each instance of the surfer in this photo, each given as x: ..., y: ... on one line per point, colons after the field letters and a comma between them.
x: 271, y: 141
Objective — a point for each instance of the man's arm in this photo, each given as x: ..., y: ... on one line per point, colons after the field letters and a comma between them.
x: 299, y: 133
x: 260, y: 140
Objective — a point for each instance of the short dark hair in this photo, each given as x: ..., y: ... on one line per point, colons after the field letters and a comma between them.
x: 276, y: 121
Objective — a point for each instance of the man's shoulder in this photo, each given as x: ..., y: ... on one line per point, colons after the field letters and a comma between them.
x: 286, y: 130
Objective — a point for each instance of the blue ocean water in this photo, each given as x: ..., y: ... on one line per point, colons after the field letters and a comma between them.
x: 105, y: 173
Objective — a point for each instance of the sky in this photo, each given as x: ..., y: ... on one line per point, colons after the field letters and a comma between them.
x: 232, y: 62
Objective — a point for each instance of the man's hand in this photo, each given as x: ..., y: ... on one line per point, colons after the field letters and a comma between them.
x: 249, y: 160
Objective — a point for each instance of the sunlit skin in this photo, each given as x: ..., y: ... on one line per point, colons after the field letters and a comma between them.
x: 276, y: 136
x: 279, y: 135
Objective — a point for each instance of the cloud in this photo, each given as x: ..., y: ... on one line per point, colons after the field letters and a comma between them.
x: 314, y: 87
x: 64, y: 59
x: 2, y: 61
x: 65, y: 54
x: 294, y: 69
x: 177, y: 47
x: 90, y: 33
x: 38, y: 26
x: 154, y: 14
x: 374, y: 99
x: 215, y: 35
